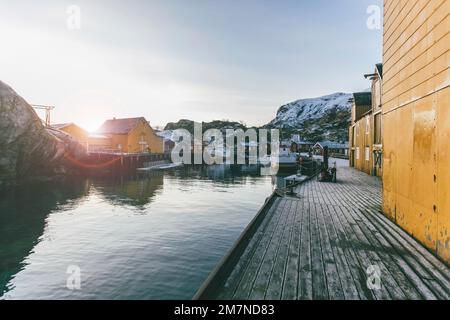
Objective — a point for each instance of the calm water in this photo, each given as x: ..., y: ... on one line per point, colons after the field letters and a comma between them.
x: 137, y: 238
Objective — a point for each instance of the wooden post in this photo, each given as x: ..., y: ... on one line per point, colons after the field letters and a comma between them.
x: 325, y: 158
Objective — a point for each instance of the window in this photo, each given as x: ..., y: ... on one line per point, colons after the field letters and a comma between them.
x: 367, y: 125
x: 143, y: 143
x: 378, y: 159
x: 367, y: 154
x: 377, y: 136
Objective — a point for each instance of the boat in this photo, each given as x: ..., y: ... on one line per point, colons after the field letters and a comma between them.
x: 287, y: 159
x: 166, y: 166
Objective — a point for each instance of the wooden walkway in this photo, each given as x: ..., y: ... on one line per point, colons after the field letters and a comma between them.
x: 329, y: 242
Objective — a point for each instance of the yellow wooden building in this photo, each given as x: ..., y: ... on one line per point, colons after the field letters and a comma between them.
x: 75, y: 131
x: 360, y: 133
x: 100, y: 143
x: 92, y: 142
x: 376, y: 120
x: 366, y: 127
x: 416, y: 119
x: 131, y: 135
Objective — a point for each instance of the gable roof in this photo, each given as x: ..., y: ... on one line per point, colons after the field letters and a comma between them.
x: 362, y: 98
x: 331, y: 145
x: 120, y: 126
x: 59, y: 126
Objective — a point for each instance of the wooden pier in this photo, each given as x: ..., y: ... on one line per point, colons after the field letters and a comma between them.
x: 327, y: 242
x: 111, y: 163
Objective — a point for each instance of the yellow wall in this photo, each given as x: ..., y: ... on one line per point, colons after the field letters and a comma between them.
x: 376, y: 95
x: 98, y: 144
x: 361, y: 137
x: 119, y: 142
x: 376, y: 168
x: 130, y: 143
x: 154, y: 142
x: 416, y: 120
x: 76, y: 132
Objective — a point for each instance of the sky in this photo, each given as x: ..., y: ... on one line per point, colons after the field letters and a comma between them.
x: 183, y: 59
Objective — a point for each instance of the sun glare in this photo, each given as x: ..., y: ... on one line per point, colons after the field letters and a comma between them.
x: 90, y: 125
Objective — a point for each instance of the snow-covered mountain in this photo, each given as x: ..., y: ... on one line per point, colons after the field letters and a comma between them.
x: 165, y: 134
x: 323, y: 118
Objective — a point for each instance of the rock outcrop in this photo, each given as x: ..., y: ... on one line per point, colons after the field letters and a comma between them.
x: 27, y: 149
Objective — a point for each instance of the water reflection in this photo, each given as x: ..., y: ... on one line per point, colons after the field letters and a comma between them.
x: 23, y: 211
x: 153, y: 236
x: 137, y: 191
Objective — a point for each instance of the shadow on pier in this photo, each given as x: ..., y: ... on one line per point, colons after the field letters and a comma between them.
x: 327, y: 241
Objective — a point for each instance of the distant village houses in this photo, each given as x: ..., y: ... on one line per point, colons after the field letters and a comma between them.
x: 130, y: 135
x: 336, y: 150
x: 299, y: 145
x: 168, y: 142
x: 296, y: 145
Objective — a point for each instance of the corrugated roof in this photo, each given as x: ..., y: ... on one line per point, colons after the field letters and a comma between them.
x: 363, y: 98
x: 120, y: 126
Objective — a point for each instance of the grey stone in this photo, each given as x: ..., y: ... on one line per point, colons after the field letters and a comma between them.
x: 27, y: 148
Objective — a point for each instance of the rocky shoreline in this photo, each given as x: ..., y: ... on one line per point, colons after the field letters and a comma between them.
x: 28, y: 150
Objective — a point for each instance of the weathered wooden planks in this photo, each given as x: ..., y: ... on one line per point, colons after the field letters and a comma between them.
x: 322, y: 243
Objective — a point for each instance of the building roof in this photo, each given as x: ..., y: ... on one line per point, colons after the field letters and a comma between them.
x: 301, y: 142
x: 166, y: 135
x: 59, y: 126
x: 380, y: 69
x: 98, y: 136
x: 332, y: 145
x: 120, y: 126
x: 362, y: 98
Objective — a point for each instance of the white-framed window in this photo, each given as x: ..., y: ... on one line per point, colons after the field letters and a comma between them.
x: 143, y: 143
x: 357, y: 153
x: 367, y: 154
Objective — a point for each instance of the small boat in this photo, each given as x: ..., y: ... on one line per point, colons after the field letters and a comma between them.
x: 287, y: 159
x: 166, y: 166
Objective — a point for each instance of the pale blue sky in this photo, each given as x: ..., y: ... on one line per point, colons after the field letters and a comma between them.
x: 194, y: 59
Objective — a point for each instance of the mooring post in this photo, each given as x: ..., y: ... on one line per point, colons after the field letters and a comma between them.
x: 325, y: 158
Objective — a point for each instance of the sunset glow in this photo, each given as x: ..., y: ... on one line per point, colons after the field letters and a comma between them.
x: 182, y: 58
